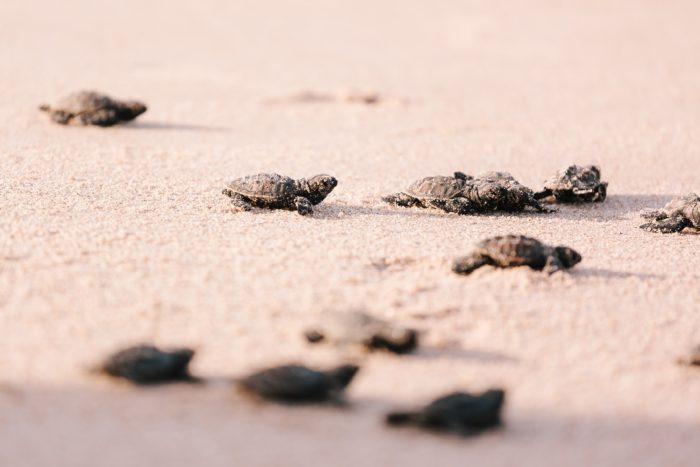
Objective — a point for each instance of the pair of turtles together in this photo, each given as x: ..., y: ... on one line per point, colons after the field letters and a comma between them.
x: 461, y: 193
x: 500, y: 191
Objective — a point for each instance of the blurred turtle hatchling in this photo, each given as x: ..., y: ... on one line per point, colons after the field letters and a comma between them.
x: 146, y: 364
x: 575, y: 184
x: 92, y: 108
x: 464, y: 194
x: 679, y: 213
x: 298, y: 383
x: 460, y: 413
x: 356, y: 328
x: 517, y: 250
x: 274, y: 191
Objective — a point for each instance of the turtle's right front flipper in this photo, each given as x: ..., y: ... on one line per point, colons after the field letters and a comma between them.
x: 468, y: 264
x: 672, y: 225
x: 239, y: 202
x: 400, y: 199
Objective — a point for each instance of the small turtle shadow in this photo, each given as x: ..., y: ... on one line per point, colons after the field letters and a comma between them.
x: 429, y: 352
x: 615, y: 207
x: 176, y: 126
x: 612, y: 274
x: 334, y: 212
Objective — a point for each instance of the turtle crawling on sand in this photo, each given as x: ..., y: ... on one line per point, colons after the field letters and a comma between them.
x: 575, y: 184
x: 297, y: 383
x: 464, y: 194
x: 461, y: 413
x: 275, y: 191
x: 145, y: 364
x: 359, y: 328
x: 517, y: 250
x: 679, y: 213
x: 92, y: 108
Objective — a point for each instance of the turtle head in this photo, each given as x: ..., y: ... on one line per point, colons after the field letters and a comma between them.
x: 319, y: 187
x: 129, y: 110
x: 567, y: 256
x: 595, y: 169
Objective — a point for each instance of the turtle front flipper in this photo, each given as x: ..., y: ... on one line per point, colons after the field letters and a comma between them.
x: 468, y: 264
x: 239, y: 202
x: 671, y: 225
x: 455, y: 205
x: 401, y: 199
x: 59, y: 116
x: 303, y: 206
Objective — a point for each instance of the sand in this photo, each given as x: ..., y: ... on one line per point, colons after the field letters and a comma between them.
x: 115, y: 236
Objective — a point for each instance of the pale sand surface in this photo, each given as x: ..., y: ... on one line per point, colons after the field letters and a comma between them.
x: 113, y: 236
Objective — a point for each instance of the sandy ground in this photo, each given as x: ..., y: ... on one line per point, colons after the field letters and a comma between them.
x: 114, y: 236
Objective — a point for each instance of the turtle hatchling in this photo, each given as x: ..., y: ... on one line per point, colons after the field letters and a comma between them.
x: 92, y: 108
x: 679, y: 213
x: 460, y: 412
x: 145, y: 364
x: 297, y: 383
x: 275, y: 191
x: 464, y: 194
x: 517, y: 250
x: 575, y: 184
x: 358, y: 328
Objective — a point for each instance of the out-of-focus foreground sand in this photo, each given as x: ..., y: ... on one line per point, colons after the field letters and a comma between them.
x: 114, y: 236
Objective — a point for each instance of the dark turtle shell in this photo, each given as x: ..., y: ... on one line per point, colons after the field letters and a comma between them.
x: 511, y: 250
x: 574, y: 177
x: 297, y: 383
x: 437, y: 187
x: 84, y: 101
x: 268, y: 187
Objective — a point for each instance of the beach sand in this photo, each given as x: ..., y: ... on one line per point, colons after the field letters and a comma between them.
x: 115, y: 236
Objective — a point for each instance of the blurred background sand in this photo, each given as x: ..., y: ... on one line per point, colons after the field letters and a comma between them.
x: 114, y: 236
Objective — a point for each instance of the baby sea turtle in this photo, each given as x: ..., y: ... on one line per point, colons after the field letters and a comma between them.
x: 692, y: 358
x: 145, y: 364
x: 575, y: 184
x: 359, y: 328
x: 460, y: 412
x: 464, y: 194
x: 297, y: 383
x: 517, y: 250
x: 275, y: 191
x: 92, y: 108
x: 679, y: 213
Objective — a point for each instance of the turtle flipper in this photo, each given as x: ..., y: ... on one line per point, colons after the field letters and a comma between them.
x: 401, y: 199
x: 671, y: 225
x: 468, y: 264
x: 240, y: 203
x: 303, y: 206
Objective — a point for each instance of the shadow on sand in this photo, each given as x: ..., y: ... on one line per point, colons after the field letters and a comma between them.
x: 176, y: 126
x: 611, y: 274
